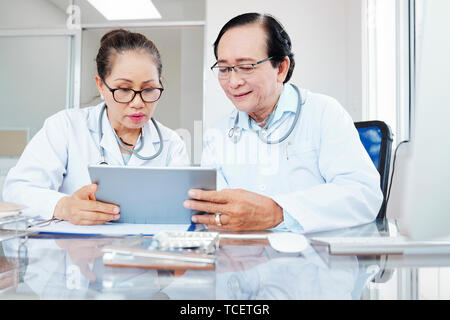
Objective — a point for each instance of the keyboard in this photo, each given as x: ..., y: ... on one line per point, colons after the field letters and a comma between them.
x: 381, y: 245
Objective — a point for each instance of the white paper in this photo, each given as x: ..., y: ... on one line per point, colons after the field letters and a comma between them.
x: 64, y: 227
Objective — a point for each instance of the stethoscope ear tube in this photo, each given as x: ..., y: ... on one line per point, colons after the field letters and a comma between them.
x: 235, y: 132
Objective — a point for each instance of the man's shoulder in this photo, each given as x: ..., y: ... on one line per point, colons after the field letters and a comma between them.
x: 319, y: 105
x: 322, y: 101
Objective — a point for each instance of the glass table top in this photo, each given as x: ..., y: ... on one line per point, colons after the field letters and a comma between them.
x: 49, y: 267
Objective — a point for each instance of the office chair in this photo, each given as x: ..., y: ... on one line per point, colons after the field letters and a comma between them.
x: 376, y: 137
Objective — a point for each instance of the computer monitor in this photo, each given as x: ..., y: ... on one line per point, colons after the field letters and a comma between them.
x: 421, y: 187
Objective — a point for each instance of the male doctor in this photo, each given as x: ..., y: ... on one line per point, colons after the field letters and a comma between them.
x: 287, y: 158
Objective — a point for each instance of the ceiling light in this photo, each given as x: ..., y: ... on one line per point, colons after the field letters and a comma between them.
x: 126, y: 9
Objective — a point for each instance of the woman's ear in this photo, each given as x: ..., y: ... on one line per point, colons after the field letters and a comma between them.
x: 283, y: 69
x: 99, y: 84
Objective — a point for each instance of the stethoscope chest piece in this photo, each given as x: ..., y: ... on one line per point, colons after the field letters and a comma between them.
x: 235, y: 134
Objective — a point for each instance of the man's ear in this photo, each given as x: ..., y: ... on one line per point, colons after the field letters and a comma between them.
x: 283, y: 69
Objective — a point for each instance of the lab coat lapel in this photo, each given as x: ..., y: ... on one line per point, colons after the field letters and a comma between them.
x: 149, y: 148
x: 109, y: 142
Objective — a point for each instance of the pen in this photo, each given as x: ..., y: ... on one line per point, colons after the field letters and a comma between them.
x: 287, y: 146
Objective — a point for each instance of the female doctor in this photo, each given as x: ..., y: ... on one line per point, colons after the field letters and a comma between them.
x: 286, y: 157
x: 51, y: 176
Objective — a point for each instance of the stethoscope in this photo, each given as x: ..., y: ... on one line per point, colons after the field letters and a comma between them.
x: 235, y: 133
x: 135, y: 151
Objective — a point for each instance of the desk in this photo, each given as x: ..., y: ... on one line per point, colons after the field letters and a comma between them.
x: 71, y: 268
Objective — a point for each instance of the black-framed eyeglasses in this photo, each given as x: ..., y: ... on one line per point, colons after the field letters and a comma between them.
x: 126, y: 95
x: 223, y: 72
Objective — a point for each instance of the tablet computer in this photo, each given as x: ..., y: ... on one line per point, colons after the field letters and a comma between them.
x: 150, y: 194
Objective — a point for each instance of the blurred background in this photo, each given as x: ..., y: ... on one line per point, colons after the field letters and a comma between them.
x: 348, y: 49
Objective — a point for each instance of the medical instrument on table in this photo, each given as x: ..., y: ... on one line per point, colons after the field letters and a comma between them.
x: 206, y: 242
x: 119, y: 140
x: 175, y: 250
x: 117, y: 256
x: 235, y: 132
x: 13, y: 224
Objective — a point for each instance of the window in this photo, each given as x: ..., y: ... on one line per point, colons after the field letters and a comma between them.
x: 387, y: 67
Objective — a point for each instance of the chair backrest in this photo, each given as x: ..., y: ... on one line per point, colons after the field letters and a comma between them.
x: 376, y: 137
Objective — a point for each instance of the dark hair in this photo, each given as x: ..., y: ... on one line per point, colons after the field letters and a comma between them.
x: 278, y: 41
x: 118, y: 41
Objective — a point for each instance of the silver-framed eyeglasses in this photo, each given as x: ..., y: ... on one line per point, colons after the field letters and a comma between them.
x: 126, y: 95
x: 223, y: 72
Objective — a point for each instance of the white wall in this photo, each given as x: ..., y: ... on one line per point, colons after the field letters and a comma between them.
x: 326, y: 38
x: 25, y: 14
x: 191, y: 88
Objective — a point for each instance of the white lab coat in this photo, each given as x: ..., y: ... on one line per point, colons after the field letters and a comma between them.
x: 54, y: 163
x: 320, y: 175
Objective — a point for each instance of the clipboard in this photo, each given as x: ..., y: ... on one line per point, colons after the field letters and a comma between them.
x: 60, y: 227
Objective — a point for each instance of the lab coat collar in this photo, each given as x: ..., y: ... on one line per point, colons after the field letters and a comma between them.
x: 108, y: 141
x: 93, y: 117
x: 287, y: 102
